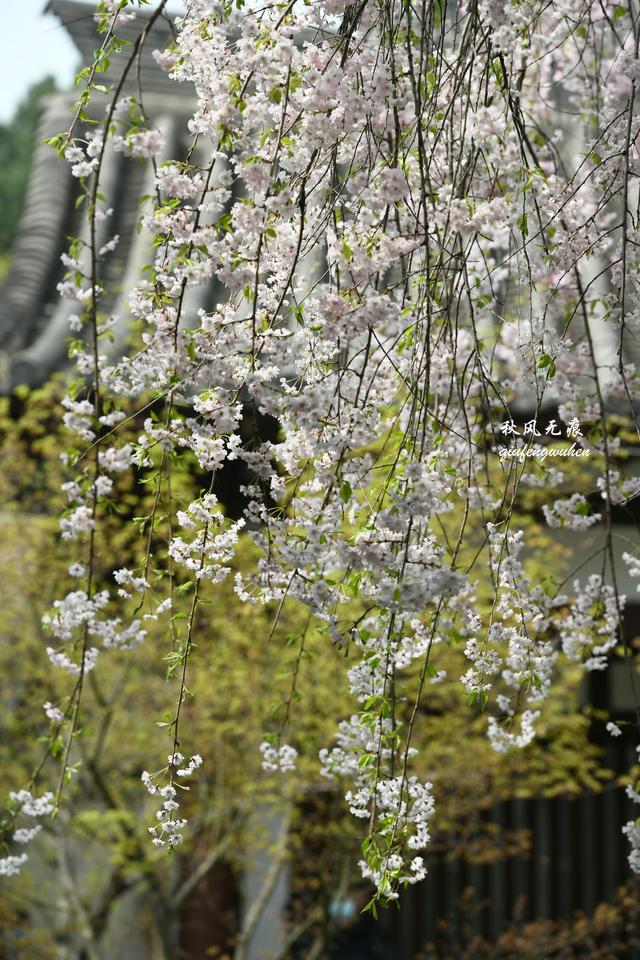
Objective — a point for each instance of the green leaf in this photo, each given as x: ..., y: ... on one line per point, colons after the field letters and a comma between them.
x: 345, y: 491
x: 523, y: 225
x: 548, y: 363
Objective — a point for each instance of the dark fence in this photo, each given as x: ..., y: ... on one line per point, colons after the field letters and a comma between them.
x: 575, y: 860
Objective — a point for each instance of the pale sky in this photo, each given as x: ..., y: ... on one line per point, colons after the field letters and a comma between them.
x: 33, y: 44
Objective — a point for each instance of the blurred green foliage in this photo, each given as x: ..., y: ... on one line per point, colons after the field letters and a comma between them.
x: 238, y: 689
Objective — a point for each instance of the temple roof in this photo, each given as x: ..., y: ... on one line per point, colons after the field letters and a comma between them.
x: 78, y: 20
x: 34, y: 322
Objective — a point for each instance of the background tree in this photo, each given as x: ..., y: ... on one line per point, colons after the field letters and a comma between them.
x: 237, y: 688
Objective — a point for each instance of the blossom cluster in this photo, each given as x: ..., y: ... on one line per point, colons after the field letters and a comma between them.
x: 168, y: 831
x: 23, y: 803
